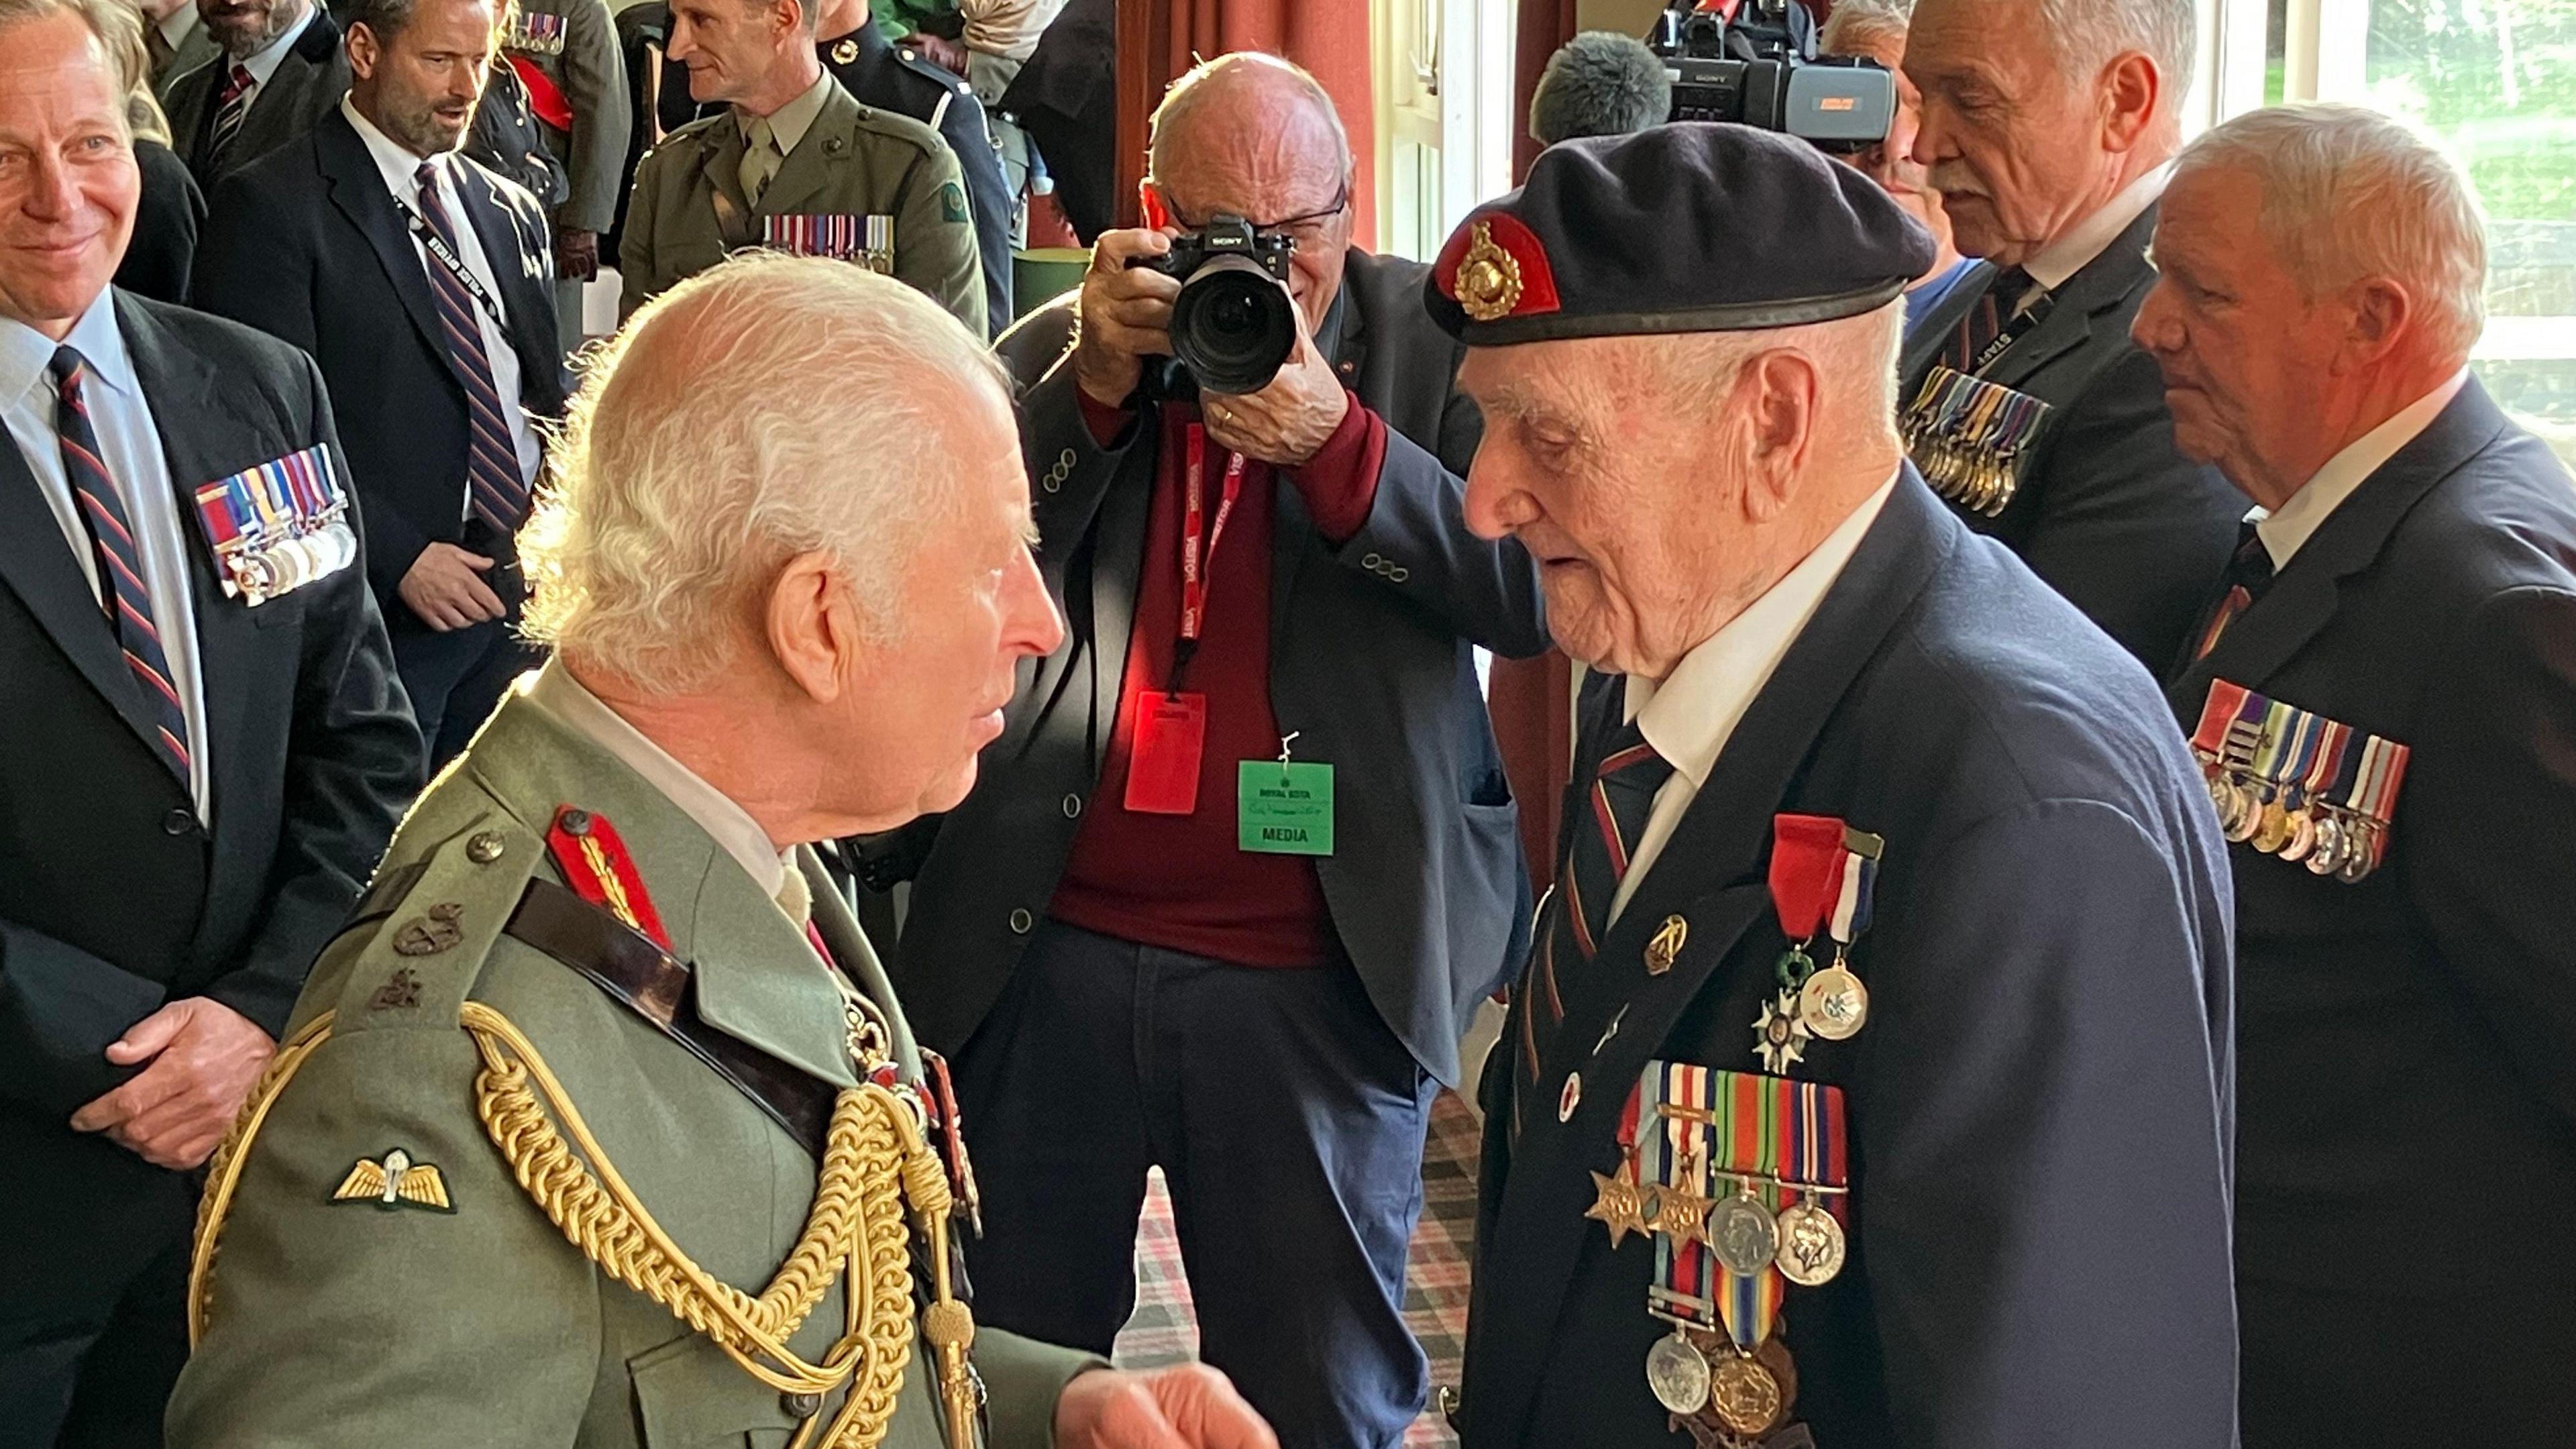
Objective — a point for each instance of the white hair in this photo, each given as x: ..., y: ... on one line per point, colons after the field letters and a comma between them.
x: 2088, y: 34
x: 1857, y: 27
x: 768, y: 407
x: 2349, y: 193
x: 1208, y: 78
x: 1850, y: 353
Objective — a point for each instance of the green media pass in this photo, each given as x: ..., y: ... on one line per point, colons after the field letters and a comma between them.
x: 1284, y: 809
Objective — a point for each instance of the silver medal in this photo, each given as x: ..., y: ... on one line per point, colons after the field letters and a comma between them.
x: 1743, y: 1235
x: 1833, y: 1004
x: 1677, y: 1373
x: 1811, y: 1245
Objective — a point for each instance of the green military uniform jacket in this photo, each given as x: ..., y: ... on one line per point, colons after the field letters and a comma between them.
x: 688, y: 211
x: 333, y: 1323
x: 582, y: 58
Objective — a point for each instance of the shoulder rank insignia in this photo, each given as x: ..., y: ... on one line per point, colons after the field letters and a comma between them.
x: 427, y: 935
x: 595, y: 864
x: 396, y: 1182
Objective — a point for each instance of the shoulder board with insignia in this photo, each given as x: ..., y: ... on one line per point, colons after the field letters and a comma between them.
x: 423, y: 932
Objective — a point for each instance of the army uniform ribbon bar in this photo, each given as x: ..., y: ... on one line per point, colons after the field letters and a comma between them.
x: 2295, y: 784
x: 534, y: 32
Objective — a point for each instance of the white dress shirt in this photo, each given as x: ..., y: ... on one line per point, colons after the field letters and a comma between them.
x: 2053, y: 265
x: 2284, y: 532
x: 553, y: 689
x: 263, y: 62
x: 399, y: 167
x: 1689, y: 716
x: 130, y: 445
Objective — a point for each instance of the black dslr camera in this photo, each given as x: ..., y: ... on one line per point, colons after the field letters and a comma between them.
x: 1745, y: 61
x: 1234, y: 325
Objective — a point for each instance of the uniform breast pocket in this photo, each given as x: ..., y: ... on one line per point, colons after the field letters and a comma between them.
x: 688, y: 1395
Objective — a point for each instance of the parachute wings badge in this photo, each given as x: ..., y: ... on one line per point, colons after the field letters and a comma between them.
x: 396, y: 1182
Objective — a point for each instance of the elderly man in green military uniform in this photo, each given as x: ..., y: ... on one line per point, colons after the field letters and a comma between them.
x: 598, y: 1125
x: 795, y: 165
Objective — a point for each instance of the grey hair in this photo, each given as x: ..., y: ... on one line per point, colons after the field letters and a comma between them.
x: 1703, y: 367
x: 2349, y: 193
x: 1857, y: 27
x: 2090, y: 33
x: 117, y: 26
x: 1187, y: 93
x: 768, y: 407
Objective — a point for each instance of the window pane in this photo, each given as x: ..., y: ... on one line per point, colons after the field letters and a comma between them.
x: 2496, y: 80
x: 2276, y: 44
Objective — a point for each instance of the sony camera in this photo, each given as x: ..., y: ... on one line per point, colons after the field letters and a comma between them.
x: 1234, y: 325
x: 1752, y: 62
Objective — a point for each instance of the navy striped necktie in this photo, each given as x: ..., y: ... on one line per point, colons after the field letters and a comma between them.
x: 495, y: 488
x: 1598, y: 855
x: 122, y: 592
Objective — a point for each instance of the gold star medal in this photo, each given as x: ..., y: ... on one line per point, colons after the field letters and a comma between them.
x: 1618, y: 1203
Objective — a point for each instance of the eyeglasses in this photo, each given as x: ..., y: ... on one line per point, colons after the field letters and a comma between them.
x: 1308, y: 231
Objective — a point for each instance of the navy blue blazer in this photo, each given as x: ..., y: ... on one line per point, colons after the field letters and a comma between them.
x: 1372, y: 663
x: 2108, y: 512
x: 2040, y: 1103
x: 2407, y: 1170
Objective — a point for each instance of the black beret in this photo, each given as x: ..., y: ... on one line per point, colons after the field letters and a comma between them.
x: 1688, y: 227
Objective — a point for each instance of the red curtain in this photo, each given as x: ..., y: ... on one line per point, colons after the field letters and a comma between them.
x: 1160, y: 39
x: 1529, y: 697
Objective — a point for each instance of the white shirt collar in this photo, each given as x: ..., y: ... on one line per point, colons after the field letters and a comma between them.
x: 555, y: 690
x: 397, y: 163
x: 26, y: 353
x: 263, y: 63
x: 1689, y: 716
x: 790, y: 122
x: 2283, y: 533
x: 2053, y: 265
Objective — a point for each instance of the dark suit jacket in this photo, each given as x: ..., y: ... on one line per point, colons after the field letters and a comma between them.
x: 307, y: 85
x: 1371, y: 660
x: 166, y: 222
x: 308, y: 246
x: 2108, y: 512
x: 1066, y: 98
x: 113, y: 898
x: 2410, y: 1041
x: 2039, y: 1102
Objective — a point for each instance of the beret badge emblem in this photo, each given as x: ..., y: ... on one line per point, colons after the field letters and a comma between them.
x: 1488, y: 283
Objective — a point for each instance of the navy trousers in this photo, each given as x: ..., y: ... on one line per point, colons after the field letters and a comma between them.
x: 1289, y: 1124
x: 455, y: 679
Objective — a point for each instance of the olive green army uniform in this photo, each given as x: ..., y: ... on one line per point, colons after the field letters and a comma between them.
x: 572, y: 44
x: 345, y: 1297
x: 689, y: 213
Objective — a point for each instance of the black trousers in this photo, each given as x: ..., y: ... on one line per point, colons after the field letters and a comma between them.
x: 456, y: 678
x: 1289, y: 1124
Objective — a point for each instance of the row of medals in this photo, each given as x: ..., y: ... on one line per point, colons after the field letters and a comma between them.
x: 286, y: 564
x: 1977, y: 479
x: 2326, y: 840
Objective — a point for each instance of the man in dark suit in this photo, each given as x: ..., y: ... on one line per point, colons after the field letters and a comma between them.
x: 2396, y: 645
x: 281, y: 70
x: 878, y: 73
x: 421, y: 283
x: 1066, y: 98
x: 1870, y: 1082
x: 2049, y: 151
x: 203, y: 750
x: 1128, y: 969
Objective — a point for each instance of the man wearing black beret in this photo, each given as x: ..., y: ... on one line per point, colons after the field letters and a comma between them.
x: 1869, y: 1083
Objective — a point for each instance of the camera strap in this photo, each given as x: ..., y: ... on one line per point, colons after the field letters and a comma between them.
x: 1198, y: 554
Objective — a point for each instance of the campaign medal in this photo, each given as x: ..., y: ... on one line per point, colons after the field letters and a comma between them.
x: 1812, y: 1246
x: 1678, y: 1373
x: 2294, y: 784
x: 1617, y: 1202
x: 277, y: 527
x: 1745, y: 1395
x: 1972, y: 438
x: 1822, y: 876
x: 1743, y: 1233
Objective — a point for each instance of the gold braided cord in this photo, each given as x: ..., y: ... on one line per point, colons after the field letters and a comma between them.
x: 223, y: 1170
x: 857, y: 1221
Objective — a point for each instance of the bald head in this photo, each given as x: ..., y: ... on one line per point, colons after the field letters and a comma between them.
x: 1253, y: 136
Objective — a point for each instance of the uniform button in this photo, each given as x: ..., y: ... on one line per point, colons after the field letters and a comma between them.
x: 1072, y: 807
x: 1021, y: 922
x: 484, y: 848
x: 178, y: 822
x: 1372, y: 561
x: 802, y: 1406
x: 575, y: 822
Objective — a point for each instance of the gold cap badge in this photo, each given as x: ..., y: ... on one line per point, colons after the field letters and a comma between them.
x: 1489, y: 278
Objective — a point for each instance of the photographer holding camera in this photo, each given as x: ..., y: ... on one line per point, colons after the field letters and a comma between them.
x: 1244, y: 859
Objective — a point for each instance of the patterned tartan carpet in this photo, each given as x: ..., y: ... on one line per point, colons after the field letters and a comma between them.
x: 1164, y: 1331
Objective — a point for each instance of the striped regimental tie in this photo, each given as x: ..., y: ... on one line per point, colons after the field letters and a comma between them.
x: 495, y: 489
x: 232, y: 107
x: 120, y: 564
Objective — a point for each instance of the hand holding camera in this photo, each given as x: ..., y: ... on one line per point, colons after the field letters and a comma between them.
x: 1287, y: 422
x: 1126, y: 313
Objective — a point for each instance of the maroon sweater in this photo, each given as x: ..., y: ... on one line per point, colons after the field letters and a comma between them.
x: 1180, y: 881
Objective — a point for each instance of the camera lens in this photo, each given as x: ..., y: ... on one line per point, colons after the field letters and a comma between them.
x: 1234, y: 325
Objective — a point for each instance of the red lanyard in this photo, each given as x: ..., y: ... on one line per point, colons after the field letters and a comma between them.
x: 1197, y: 561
